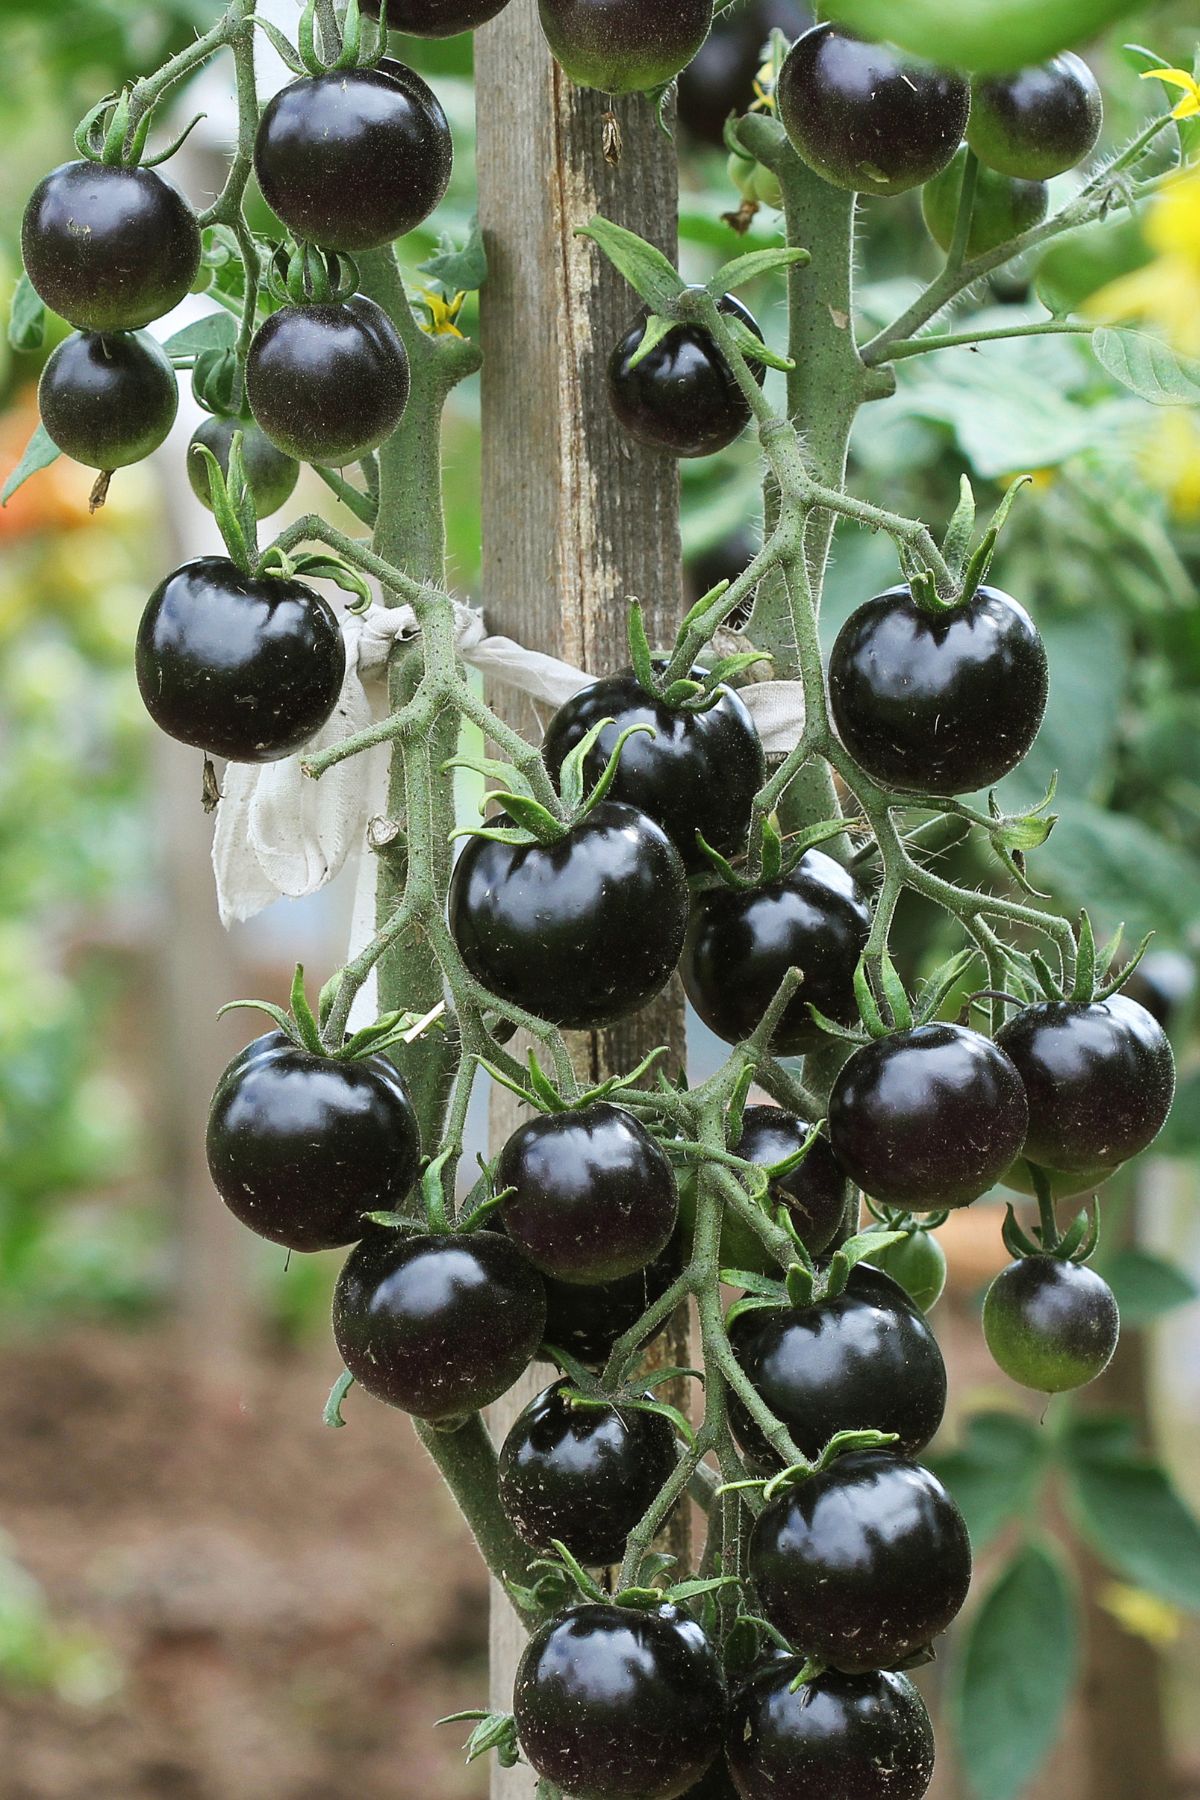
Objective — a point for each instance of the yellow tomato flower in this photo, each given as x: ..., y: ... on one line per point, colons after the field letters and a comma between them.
x: 1189, y: 106
x: 1141, y: 1614
x: 443, y: 313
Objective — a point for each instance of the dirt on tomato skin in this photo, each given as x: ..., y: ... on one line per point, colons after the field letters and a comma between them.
x: 290, y: 1607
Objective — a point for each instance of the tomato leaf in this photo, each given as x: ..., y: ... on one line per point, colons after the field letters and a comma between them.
x: 215, y: 331
x: 27, y: 320
x: 993, y: 1472
x: 40, y: 452
x: 1147, y: 366
x: 459, y: 269
x: 1147, y: 1287
x: 1130, y: 1513
x: 988, y: 34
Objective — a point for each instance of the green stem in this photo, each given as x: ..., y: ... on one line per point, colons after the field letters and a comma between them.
x: 467, y: 1461
x: 953, y: 340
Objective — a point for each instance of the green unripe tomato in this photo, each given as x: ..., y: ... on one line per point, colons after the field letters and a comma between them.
x: 1003, y: 207
x: 918, y: 1263
x: 272, y: 475
x: 1051, y: 1325
x: 768, y: 190
x: 1036, y: 122
x: 624, y: 46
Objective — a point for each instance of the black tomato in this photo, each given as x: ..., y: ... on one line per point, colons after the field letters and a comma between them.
x: 1100, y: 1081
x: 109, y: 248
x: 1051, y: 1325
x: 437, y: 1326
x: 867, y: 116
x: 839, y: 1737
x: 300, y: 1146
x: 864, y: 1362
x: 595, y: 1196
x: 863, y: 1565
x: 1036, y: 122
x: 108, y: 401
x: 816, y: 1193
x: 354, y: 158
x: 1003, y: 207
x: 928, y: 1118
x: 720, y: 78
x: 580, y: 932
x: 617, y: 1704
x: 435, y: 18
x: 271, y: 475
x: 583, y: 1475
x: 699, y: 772
x: 328, y: 383
x: 587, y: 1321
x: 682, y: 397
x: 938, y: 703
x: 243, y: 666
x: 625, y: 46
x: 741, y: 944
x: 918, y: 1263
x: 717, y: 1784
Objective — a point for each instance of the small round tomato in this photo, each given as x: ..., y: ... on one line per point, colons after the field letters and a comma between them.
x: 614, y: 1703
x: 720, y: 78
x: 839, y: 1737
x: 938, y: 703
x: 581, y: 1474
x: 587, y: 1321
x: 435, y: 18
x: 864, y: 1564
x: 741, y: 942
x: 437, y: 1326
x: 1036, y: 122
x: 682, y: 397
x: 108, y: 401
x: 271, y: 475
x: 816, y: 1194
x: 918, y: 1264
x: 624, y: 46
x: 1003, y: 208
x: 928, y: 1118
x: 1051, y: 1325
x: 328, y: 384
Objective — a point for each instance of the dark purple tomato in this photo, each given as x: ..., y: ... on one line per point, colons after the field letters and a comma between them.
x: 435, y: 18
x: 863, y: 1565
x: 328, y: 384
x: 867, y: 116
x: 938, y: 703
x: 587, y: 1321
x: 816, y: 1194
x: 583, y: 1475
x: 1051, y: 1325
x: 271, y: 475
x: 300, y: 1146
x: 624, y: 46
x: 437, y: 1326
x: 742, y: 942
x: 108, y: 401
x: 595, y: 1196
x: 682, y: 397
x: 1036, y: 122
x: 617, y: 1704
x: 720, y: 78
x: 717, y: 1784
x: 839, y: 1737
x: 354, y: 158
x: 698, y: 773
x: 238, y: 665
x: 1002, y: 210
x: 928, y: 1118
x: 109, y: 248
x: 580, y: 932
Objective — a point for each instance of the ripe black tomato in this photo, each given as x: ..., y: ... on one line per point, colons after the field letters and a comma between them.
x: 816, y: 1193
x: 928, y: 1118
x: 1036, y: 122
x: 243, y: 666
x: 272, y: 476
x: 595, y: 1196
x: 682, y: 397
x: 918, y: 1263
x: 867, y: 116
x: 328, y: 383
x: 108, y: 401
x: 109, y: 248
x: 617, y: 1704
x: 1003, y: 207
x: 437, y: 1326
x: 625, y: 46
x: 720, y: 78
x: 354, y: 158
x: 717, y: 1784
x: 435, y: 18
x: 1051, y: 1325
x: 866, y: 1361
x: 587, y: 1321
x: 742, y: 942
x: 580, y: 932
x: 583, y: 1475
x: 863, y: 1565
x: 300, y: 1146
x: 839, y: 1737
x: 938, y: 703
x: 699, y: 772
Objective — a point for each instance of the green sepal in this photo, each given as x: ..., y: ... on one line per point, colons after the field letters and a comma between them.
x: 348, y: 56
x: 752, y: 346
x: 752, y: 1303
x: 895, y: 994
x: 282, y: 46
x: 646, y: 269
x: 112, y: 151
x: 548, y: 1096
x: 306, y: 40
x: 845, y: 1034
x: 1084, y: 987
x: 302, y: 1012
x: 328, y: 995
x: 617, y: 1084
x: 1072, y: 1239
x: 801, y: 1286
x: 778, y: 1171
x: 682, y: 691
x: 571, y: 775
x: 855, y: 1250
x: 845, y: 1443
x: 736, y: 1114
x: 89, y: 133
x: 956, y: 545
x: 27, y: 319
x: 433, y: 1192
x: 332, y: 1415
x: 494, y: 1731
x: 161, y: 156
x: 808, y: 1673
x: 582, y: 1580
x: 742, y: 270
x: 761, y: 1286
x: 1117, y: 982
x: 869, y: 1011
x: 941, y: 983
x: 1051, y: 989
x: 665, y: 1410
x: 479, y: 1215
x: 224, y: 511
x: 394, y: 1221
x: 639, y: 649
x: 705, y: 603
x: 388, y: 1030
x: 39, y: 453
x: 327, y: 567
x: 609, y: 773
x: 1016, y: 1241
x: 979, y: 566
x: 283, y: 1020
x: 588, y: 1391
x: 656, y: 330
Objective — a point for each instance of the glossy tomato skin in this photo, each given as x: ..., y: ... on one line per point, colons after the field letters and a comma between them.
x: 272, y: 475
x: 938, y: 703
x: 816, y: 1194
x: 720, y: 78
x: 109, y: 248
x: 928, y: 1118
x: 863, y: 1565
x: 355, y: 158
x: 741, y: 944
x: 1100, y: 1081
x: 242, y: 666
x: 300, y: 1146
x: 839, y: 1737
x: 1003, y: 207
x: 1036, y: 122
x: 682, y: 397
x: 328, y: 384
x: 435, y: 18
x: 617, y: 1704
x: 108, y: 401
x: 595, y: 1196
x: 580, y: 932
x: 437, y: 1326
x: 699, y: 772
x: 587, y: 1321
x: 1051, y: 1325
x: 582, y: 1475
x: 624, y: 46
x: 864, y: 1362
x: 866, y: 116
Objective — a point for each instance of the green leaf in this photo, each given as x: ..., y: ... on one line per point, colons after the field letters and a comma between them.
x: 993, y: 1472
x: 744, y: 269
x: 459, y: 269
x: 216, y: 331
x: 27, y: 320
x: 646, y: 269
x: 987, y: 34
x: 1128, y: 1510
x: 1148, y: 366
x: 1147, y: 1287
x: 40, y: 452
x: 1016, y: 1674
x: 752, y: 346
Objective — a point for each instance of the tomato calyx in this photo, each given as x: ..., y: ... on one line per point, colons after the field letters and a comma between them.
x: 770, y: 857
x: 493, y: 1730
x: 804, y: 1284
x: 842, y: 1443
x: 108, y: 134
x: 1093, y: 981
x: 893, y: 1012
x: 1077, y: 1244
x: 533, y: 822
x: 700, y: 690
x: 357, y: 49
x: 566, y: 1572
x: 301, y: 1027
